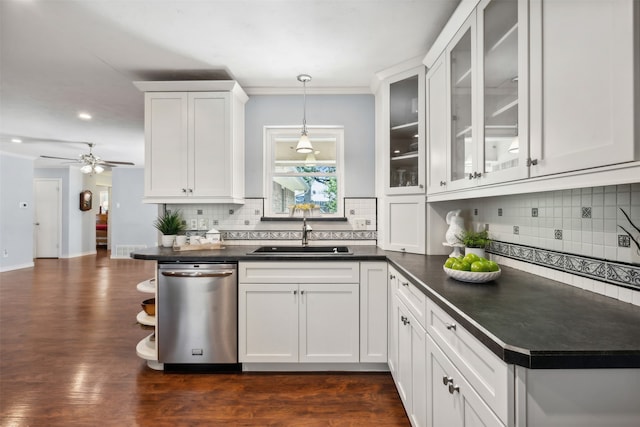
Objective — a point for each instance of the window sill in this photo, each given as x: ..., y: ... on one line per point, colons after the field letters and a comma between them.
x: 299, y: 219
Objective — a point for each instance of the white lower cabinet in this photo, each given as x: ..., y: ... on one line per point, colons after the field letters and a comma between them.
x: 299, y: 323
x: 451, y: 401
x: 286, y: 315
x: 373, y: 311
x: 459, y: 384
x: 411, y: 377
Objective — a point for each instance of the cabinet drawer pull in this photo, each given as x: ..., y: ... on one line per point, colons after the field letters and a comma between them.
x: 405, y: 283
x: 453, y: 388
x: 451, y: 326
x: 447, y: 380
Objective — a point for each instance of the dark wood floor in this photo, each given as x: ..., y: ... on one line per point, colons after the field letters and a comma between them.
x: 67, y: 358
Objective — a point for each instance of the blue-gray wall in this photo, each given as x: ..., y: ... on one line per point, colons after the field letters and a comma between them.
x: 16, y: 224
x: 131, y: 220
x: 355, y: 112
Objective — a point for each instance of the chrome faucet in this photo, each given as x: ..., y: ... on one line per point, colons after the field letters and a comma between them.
x: 306, y: 228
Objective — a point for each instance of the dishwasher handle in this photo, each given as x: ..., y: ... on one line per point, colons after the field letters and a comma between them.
x: 222, y: 273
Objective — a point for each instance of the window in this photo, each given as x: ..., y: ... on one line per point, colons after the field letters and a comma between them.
x: 293, y: 178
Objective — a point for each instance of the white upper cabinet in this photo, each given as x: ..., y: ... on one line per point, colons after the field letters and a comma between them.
x: 437, y: 132
x: 584, y: 87
x: 502, y: 90
x: 533, y: 88
x: 405, y: 130
x: 477, y: 101
x: 461, y: 83
x: 194, y: 143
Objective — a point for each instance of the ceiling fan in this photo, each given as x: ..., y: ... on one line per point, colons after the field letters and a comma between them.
x: 90, y: 162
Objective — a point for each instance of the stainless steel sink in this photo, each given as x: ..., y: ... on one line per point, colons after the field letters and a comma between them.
x: 302, y: 250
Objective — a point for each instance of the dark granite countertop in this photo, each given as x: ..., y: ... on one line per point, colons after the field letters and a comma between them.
x: 525, y: 319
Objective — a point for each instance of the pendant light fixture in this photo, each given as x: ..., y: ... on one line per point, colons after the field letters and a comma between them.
x: 304, y: 144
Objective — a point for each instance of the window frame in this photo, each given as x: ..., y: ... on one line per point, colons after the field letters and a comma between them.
x: 272, y: 133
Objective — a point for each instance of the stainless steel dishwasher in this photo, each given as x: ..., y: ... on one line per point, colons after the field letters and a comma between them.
x: 197, y: 313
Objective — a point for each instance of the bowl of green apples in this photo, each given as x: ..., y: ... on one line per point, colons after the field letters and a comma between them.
x: 472, y: 268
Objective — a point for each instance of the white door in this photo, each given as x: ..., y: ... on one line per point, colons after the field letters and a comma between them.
x: 47, y: 221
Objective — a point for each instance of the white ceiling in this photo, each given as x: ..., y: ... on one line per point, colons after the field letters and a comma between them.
x: 60, y: 57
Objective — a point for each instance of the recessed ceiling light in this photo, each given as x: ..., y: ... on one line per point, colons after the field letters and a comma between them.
x: 16, y: 140
x: 84, y: 116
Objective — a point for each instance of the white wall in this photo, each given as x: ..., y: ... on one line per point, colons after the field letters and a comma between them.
x: 355, y: 112
x: 16, y: 224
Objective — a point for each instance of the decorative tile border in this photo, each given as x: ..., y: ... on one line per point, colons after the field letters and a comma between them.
x: 297, y: 235
x: 625, y: 275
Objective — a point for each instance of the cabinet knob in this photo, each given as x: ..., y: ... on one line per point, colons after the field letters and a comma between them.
x: 470, y: 176
x: 191, y: 190
x: 405, y: 320
x: 391, y: 276
x: 184, y: 190
x: 301, y: 292
x: 453, y: 388
x: 420, y: 186
x: 451, y: 326
x: 532, y: 162
x: 447, y: 379
x: 295, y: 292
x: 477, y: 174
x: 405, y: 283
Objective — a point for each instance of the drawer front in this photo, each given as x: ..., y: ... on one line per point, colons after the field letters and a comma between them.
x: 298, y: 272
x: 490, y: 377
x: 415, y: 300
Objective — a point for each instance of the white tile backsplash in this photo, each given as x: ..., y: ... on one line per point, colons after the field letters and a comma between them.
x: 247, y: 218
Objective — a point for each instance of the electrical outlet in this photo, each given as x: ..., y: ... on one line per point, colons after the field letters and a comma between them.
x: 359, y: 224
x: 5, y: 254
x: 193, y: 225
x: 204, y: 224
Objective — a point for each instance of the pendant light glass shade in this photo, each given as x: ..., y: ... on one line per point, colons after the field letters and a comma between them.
x: 304, y: 144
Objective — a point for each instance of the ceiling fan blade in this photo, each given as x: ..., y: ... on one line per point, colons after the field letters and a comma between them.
x: 117, y: 163
x: 59, y: 158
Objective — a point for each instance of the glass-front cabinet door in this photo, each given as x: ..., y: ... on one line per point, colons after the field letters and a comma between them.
x: 502, y: 68
x: 461, y: 81
x: 406, y: 133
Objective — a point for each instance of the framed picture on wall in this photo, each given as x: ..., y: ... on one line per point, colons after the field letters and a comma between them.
x: 85, y: 200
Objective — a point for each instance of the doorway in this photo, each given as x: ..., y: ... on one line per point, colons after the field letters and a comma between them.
x: 48, y: 218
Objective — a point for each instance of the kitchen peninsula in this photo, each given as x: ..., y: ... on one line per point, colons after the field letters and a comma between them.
x: 530, y: 334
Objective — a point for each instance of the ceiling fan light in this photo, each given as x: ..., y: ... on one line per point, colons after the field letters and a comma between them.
x: 98, y: 169
x: 304, y: 145
x: 86, y: 169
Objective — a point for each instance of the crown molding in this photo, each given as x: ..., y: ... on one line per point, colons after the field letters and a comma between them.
x: 350, y: 90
